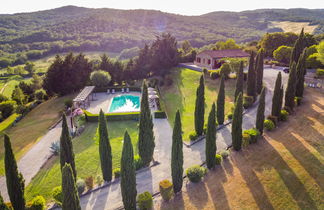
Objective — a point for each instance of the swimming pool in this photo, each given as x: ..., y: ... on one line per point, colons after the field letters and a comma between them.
x: 125, y: 103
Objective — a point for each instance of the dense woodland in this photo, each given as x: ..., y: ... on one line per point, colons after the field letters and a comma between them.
x: 34, y: 35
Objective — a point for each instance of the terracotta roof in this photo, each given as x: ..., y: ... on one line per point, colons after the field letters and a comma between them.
x: 225, y: 53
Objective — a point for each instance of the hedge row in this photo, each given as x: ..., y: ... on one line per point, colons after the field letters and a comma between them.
x: 160, y: 115
x: 117, y: 89
x: 112, y: 116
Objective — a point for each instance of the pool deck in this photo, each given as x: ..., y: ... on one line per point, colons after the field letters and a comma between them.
x: 103, y: 100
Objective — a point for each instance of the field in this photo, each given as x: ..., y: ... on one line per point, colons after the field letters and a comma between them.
x: 9, y: 86
x: 288, y: 26
x: 33, y: 126
x: 285, y: 170
x: 182, y: 95
x: 86, y: 157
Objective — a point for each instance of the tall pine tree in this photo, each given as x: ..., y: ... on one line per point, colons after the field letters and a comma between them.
x: 301, y: 69
x: 298, y: 48
x: 200, y: 107
x: 66, y: 147
x: 14, y: 179
x: 250, y: 91
x: 260, y: 112
x: 127, y: 174
x: 291, y: 88
x: 259, y: 70
x: 221, y: 102
x: 237, y: 123
x: 104, y: 148
x: 210, y: 148
x: 71, y: 199
x: 276, y: 107
x: 177, y: 155
x: 146, y: 136
x: 239, y: 81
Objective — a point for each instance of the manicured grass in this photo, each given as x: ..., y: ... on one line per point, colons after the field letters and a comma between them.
x: 86, y: 156
x: 33, y: 126
x: 284, y: 170
x: 11, y: 84
x: 7, y: 122
x: 182, y: 95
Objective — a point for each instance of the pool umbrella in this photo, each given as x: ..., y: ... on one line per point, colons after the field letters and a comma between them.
x: 150, y: 89
x: 153, y: 96
x: 152, y: 92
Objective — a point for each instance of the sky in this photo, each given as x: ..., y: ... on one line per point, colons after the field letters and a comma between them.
x: 184, y: 7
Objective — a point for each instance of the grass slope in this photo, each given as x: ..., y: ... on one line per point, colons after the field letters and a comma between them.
x: 182, y: 95
x: 86, y: 156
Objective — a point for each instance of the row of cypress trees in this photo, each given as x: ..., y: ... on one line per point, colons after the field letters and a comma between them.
x: 255, y: 74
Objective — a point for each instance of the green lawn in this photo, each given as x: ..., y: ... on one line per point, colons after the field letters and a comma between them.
x: 182, y: 95
x: 86, y: 157
x: 11, y: 84
x: 7, y: 122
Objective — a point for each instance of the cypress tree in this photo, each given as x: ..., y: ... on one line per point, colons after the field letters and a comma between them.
x: 251, y: 77
x: 221, y: 102
x: 177, y: 155
x: 146, y: 136
x: 3, y: 206
x: 260, y: 112
x: 14, y: 179
x: 297, y: 49
x: 259, y: 70
x: 66, y: 147
x: 280, y: 99
x: 239, y: 81
x: 200, y: 107
x: 104, y: 149
x: 210, y: 148
x: 301, y: 69
x: 127, y: 174
x: 237, y: 123
x: 276, y: 107
x: 71, y: 199
x: 291, y: 88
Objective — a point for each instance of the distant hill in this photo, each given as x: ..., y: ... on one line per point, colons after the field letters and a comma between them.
x: 83, y: 29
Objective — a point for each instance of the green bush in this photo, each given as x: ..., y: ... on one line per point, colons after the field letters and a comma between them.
x: 274, y: 119
x: 99, y: 180
x: 246, y: 139
x: 116, y: 172
x: 283, y: 115
x: 145, y: 201
x: 7, y: 108
x: 160, y: 115
x: 218, y: 159
x: 89, y: 182
x: 225, y: 70
x: 230, y: 115
x: 166, y: 189
x: 269, y: 125
x: 40, y: 94
x: 254, y: 134
x: 224, y: 154
x: 247, y: 101
x: 100, y: 78
x: 195, y: 173
x: 288, y: 109
x: 215, y: 74
x: 38, y: 203
x: 319, y: 72
x: 138, y: 163
x: 68, y: 103
x: 193, y: 135
x: 57, y: 195
x: 205, y: 71
x: 80, y: 186
x: 112, y: 116
x: 298, y: 100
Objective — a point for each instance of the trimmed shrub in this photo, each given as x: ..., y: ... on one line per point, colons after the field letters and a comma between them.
x: 112, y: 116
x: 283, y: 115
x: 218, y: 159
x: 195, y: 173
x: 7, y: 108
x: 145, y: 201
x: 205, y: 71
x: 253, y: 133
x: 99, y: 180
x: 138, y: 163
x: 274, y: 119
x: 80, y: 186
x: 193, y: 136
x: 298, y: 100
x: 160, y: 115
x: 57, y: 195
x: 89, y: 182
x: 224, y: 154
x: 116, y: 173
x: 214, y: 75
x: 248, y: 101
x: 230, y: 115
x: 166, y: 189
x: 246, y: 139
x: 38, y: 203
x: 288, y: 109
x: 269, y: 125
x: 320, y: 72
x: 40, y: 94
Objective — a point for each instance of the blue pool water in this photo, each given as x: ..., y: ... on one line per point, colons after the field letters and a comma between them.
x: 125, y: 103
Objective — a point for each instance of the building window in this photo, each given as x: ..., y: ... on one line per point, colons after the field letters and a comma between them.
x: 203, y: 60
x: 208, y: 61
x: 198, y: 59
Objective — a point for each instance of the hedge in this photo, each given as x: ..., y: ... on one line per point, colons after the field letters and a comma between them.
x: 117, y: 89
x: 112, y: 116
x: 160, y: 115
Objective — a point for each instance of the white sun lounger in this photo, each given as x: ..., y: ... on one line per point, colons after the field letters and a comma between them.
x: 108, y: 91
x: 113, y: 91
x: 123, y: 91
x: 127, y: 90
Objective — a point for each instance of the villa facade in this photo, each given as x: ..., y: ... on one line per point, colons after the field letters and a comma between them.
x: 211, y: 59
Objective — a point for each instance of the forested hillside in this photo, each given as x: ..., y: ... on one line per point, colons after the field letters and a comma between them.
x: 73, y: 28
